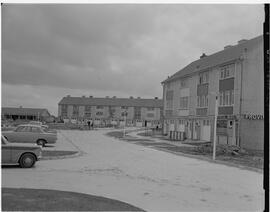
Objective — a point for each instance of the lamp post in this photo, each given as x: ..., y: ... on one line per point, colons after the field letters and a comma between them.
x: 215, y: 128
x: 125, y: 120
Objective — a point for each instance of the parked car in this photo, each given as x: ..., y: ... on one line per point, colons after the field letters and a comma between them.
x: 27, y: 133
x: 16, y: 153
x: 38, y: 123
x: 44, y: 126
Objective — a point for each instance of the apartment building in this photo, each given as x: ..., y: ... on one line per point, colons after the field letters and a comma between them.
x: 112, y: 111
x: 235, y: 77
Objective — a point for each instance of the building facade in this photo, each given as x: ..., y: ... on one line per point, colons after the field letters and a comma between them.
x: 111, y: 111
x: 235, y: 77
x: 25, y: 114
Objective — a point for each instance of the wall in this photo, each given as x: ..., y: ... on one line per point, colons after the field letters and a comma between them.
x: 70, y: 111
x: 81, y: 111
x: 252, y: 134
x: 59, y: 110
x: 192, y: 84
x: 213, y: 89
x: 253, y: 81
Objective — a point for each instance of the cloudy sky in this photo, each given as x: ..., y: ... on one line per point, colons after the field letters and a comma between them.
x: 50, y: 51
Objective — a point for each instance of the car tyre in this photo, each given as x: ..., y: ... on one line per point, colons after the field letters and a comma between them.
x: 27, y: 160
x: 41, y: 142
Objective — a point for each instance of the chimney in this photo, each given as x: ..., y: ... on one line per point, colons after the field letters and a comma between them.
x: 228, y: 46
x: 156, y: 97
x: 203, y: 55
x: 131, y: 97
x: 242, y: 41
x: 90, y: 96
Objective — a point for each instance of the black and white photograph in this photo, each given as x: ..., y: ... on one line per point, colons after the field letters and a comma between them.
x: 137, y: 106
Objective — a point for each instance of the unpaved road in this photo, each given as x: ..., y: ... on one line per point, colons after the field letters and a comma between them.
x: 147, y: 178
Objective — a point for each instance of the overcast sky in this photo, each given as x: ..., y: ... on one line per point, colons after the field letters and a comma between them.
x: 50, y: 51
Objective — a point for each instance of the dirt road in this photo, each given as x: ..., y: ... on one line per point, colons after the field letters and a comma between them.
x: 144, y: 177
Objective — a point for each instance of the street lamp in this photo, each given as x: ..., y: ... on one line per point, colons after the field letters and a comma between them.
x: 215, y: 128
x: 125, y: 120
x: 215, y: 124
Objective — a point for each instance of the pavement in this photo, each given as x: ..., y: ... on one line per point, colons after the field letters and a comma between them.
x: 62, y: 144
x: 144, y: 177
x: 158, y: 140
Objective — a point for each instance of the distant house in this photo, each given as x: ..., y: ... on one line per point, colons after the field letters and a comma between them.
x: 26, y: 114
x: 135, y: 111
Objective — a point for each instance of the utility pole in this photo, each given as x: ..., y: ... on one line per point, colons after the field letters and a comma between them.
x: 125, y: 120
x: 215, y: 128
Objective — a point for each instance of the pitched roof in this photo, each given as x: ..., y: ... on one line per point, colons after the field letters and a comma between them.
x: 24, y: 111
x: 218, y: 58
x: 112, y: 101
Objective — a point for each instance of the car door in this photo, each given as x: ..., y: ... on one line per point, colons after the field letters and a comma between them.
x: 24, y: 134
x: 28, y: 135
x: 16, y: 135
x: 6, y: 151
x: 36, y: 133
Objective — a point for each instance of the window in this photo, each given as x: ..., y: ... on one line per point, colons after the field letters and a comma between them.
x: 35, y: 130
x: 169, y: 104
x: 169, y: 95
x: 220, y: 99
x: 202, y: 101
x: 168, y: 112
x: 150, y: 115
x: 184, y: 102
x: 226, y: 98
x: 183, y: 83
x: 203, y: 77
x: 231, y: 97
x: 24, y: 129
x: 87, y: 108
x: 20, y: 129
x: 227, y: 71
x: 75, y: 110
x: 64, y: 110
x: 137, y: 113
x: 100, y: 107
x: 206, y: 101
x: 124, y: 114
x: 150, y: 108
x: 99, y: 113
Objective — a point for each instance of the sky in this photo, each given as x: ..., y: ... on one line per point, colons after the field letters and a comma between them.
x: 53, y: 50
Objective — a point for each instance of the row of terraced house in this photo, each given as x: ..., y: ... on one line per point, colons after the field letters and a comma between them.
x: 112, y: 110
x: 233, y: 75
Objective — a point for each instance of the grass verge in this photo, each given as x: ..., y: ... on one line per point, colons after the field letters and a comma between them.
x: 22, y: 199
x: 49, y: 154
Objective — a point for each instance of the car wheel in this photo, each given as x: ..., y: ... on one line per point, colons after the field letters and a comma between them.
x: 27, y: 160
x: 41, y: 142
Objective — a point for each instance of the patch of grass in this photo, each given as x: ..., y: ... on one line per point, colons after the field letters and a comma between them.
x: 119, y: 135
x: 21, y: 199
x: 46, y: 154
